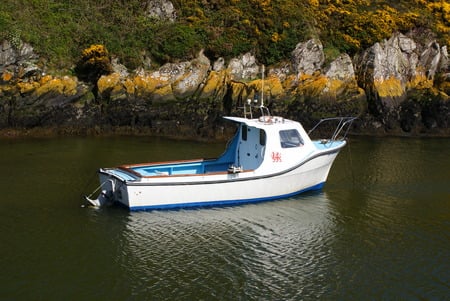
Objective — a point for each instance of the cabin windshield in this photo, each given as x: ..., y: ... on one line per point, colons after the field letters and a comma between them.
x: 290, y: 138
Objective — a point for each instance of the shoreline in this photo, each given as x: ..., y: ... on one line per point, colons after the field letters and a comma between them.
x: 53, y: 132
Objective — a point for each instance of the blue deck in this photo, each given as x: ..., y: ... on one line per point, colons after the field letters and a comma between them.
x: 194, y: 167
x: 188, y: 168
x: 324, y: 145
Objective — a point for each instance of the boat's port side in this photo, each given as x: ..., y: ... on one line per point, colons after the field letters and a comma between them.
x: 176, y: 168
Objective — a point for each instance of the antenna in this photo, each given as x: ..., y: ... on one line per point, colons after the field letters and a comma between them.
x: 262, y: 87
x: 262, y: 107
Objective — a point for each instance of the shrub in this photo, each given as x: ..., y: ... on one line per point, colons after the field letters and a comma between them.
x: 58, y: 30
x: 94, y: 63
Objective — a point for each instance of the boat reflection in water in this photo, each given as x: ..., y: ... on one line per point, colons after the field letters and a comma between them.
x: 250, y: 251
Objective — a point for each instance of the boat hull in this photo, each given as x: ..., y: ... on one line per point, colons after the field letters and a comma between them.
x: 219, y: 189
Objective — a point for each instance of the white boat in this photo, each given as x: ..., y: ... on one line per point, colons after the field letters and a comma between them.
x: 268, y: 158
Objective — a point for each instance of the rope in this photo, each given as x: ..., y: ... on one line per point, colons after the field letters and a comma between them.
x: 96, y: 189
x: 87, y: 183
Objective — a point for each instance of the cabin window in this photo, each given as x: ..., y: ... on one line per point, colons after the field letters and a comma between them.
x: 290, y: 138
x: 244, y: 132
x: 262, y: 137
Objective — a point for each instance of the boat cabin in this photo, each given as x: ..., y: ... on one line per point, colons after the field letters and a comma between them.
x: 270, y: 142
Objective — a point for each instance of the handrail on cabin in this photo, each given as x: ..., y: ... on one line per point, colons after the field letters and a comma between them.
x: 343, y: 123
x: 252, y: 105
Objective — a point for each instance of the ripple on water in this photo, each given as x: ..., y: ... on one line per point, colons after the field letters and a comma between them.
x: 251, y: 250
x: 380, y: 229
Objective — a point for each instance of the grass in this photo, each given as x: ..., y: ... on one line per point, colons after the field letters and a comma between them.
x: 59, y: 30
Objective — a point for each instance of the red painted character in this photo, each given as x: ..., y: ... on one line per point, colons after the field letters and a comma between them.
x: 276, y: 157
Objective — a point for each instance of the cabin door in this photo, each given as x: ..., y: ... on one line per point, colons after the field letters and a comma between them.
x: 251, y: 148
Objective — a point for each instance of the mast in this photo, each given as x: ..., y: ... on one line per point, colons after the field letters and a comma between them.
x: 262, y: 87
x: 262, y: 108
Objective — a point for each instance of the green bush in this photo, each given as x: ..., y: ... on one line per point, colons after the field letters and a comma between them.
x: 59, y: 30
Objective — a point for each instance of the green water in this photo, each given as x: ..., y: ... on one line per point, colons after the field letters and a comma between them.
x: 379, y: 230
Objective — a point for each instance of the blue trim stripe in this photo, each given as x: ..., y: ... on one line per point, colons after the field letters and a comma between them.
x: 224, y: 202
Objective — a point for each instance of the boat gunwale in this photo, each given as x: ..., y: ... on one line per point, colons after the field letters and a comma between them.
x: 150, y: 164
x: 129, y: 168
x: 137, y: 174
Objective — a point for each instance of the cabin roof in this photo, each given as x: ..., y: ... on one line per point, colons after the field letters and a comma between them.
x: 261, y: 122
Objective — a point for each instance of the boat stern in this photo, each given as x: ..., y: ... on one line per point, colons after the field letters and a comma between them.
x: 112, y: 190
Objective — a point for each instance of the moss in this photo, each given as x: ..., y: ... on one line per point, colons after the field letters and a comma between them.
x: 272, y: 86
x: 213, y: 83
x: 145, y: 85
x: 443, y: 85
x: 419, y: 81
x: 289, y: 82
x: 238, y: 91
x: 312, y: 84
x: 129, y: 86
x: 7, y: 76
x: 70, y: 85
x: 65, y: 86
x: 27, y: 87
x: 391, y: 87
x: 45, y: 79
x: 276, y: 88
x: 163, y: 91
x: 108, y: 82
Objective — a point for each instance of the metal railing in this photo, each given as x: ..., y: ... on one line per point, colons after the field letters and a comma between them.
x: 253, y: 105
x: 343, y: 125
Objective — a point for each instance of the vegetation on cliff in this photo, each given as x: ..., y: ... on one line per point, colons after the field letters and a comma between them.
x: 60, y: 30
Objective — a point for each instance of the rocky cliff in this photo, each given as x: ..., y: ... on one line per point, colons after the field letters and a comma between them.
x: 399, y: 86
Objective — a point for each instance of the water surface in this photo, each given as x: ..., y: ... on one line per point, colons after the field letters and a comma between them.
x: 380, y: 228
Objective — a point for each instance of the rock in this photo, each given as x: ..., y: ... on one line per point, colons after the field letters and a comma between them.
x: 391, y: 73
x: 16, y: 60
x: 308, y: 57
x: 281, y: 72
x: 434, y: 59
x: 161, y: 9
x: 171, y: 72
x: 341, y: 81
x: 392, y: 67
x: 341, y: 69
x: 7, y: 55
x: 170, y: 82
x: 119, y: 68
x: 397, y: 86
x: 215, y: 86
x: 443, y: 63
x: 26, y: 53
x: 219, y: 64
x: 337, y: 83
x: 385, y: 69
x: 110, y: 85
x: 194, y: 77
x: 406, y: 44
x: 244, y: 67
